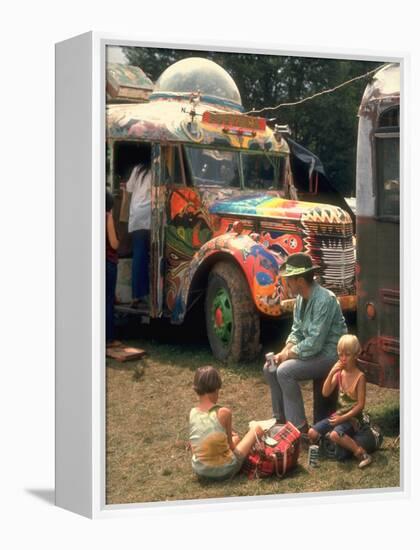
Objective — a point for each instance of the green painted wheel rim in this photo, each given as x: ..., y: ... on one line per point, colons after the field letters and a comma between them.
x: 222, y: 316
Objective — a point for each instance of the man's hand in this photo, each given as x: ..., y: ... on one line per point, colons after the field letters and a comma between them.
x: 280, y: 357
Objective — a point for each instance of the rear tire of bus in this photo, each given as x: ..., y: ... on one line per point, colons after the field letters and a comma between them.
x: 232, y: 321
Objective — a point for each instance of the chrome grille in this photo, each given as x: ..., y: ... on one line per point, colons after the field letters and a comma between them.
x: 334, y: 253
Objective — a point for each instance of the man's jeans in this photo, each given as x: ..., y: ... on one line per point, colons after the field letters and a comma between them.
x: 286, y: 395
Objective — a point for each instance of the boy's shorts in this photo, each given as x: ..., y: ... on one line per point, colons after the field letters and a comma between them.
x: 364, y: 437
x: 220, y: 473
x: 324, y: 426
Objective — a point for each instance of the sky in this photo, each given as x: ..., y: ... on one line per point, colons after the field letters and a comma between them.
x: 116, y: 55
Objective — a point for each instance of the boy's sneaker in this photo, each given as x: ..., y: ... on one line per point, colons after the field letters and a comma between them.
x: 365, y: 460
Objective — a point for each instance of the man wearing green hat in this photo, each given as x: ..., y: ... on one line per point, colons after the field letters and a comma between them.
x: 311, y: 347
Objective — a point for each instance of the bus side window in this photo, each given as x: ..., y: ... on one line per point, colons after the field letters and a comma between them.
x: 171, y: 166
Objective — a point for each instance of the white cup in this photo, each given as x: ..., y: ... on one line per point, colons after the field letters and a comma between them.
x: 272, y: 366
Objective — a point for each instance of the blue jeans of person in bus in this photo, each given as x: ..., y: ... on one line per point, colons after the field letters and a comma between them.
x: 111, y: 284
x: 141, y: 261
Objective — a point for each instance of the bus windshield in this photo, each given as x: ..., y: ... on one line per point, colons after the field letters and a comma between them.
x: 223, y: 168
x: 213, y: 167
x: 263, y: 171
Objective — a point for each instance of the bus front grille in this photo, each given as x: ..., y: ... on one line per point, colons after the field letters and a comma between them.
x: 335, y: 255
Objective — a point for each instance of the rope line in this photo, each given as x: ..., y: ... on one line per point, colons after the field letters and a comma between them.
x: 330, y: 90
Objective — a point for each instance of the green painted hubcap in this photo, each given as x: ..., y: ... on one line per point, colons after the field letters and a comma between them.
x: 222, y: 316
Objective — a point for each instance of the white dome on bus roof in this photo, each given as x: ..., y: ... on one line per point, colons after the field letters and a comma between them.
x: 197, y: 73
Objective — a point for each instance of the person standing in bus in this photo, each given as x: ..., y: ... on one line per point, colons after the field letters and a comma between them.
x: 311, y: 347
x: 112, y: 244
x: 139, y: 185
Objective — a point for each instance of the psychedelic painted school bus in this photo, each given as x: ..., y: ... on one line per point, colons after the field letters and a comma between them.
x: 225, y: 214
x: 378, y: 228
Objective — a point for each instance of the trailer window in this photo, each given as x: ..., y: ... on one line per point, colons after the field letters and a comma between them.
x: 390, y: 118
x: 388, y: 175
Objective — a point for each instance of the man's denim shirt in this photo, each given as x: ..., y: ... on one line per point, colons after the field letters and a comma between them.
x: 318, y: 328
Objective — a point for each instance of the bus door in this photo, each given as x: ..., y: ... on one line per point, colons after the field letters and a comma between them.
x: 187, y: 228
x: 157, y: 234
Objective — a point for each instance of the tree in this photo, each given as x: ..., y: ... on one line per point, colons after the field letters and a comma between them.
x: 327, y: 125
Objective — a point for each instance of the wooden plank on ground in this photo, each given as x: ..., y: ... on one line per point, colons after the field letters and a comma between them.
x: 124, y: 353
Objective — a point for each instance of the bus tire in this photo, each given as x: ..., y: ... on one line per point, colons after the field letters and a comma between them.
x: 232, y: 321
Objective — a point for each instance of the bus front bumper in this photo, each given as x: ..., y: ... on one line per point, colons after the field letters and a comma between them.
x: 348, y: 303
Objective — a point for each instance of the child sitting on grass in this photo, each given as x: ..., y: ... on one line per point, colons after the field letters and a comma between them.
x: 218, y: 453
x: 343, y: 424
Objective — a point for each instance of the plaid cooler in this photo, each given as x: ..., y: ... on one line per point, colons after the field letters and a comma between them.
x: 265, y: 460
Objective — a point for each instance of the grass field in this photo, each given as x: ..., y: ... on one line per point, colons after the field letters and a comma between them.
x: 147, y: 429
